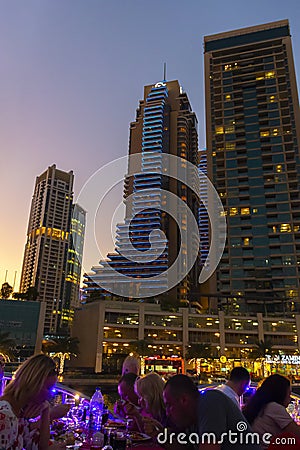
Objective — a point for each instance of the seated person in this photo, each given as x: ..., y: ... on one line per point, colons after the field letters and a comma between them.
x: 149, y: 390
x: 26, y: 396
x: 207, y: 418
x: 239, y: 380
x: 131, y: 364
x: 266, y: 410
x: 126, y: 393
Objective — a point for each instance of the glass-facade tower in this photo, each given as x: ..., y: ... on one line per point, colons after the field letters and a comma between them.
x: 252, y: 116
x: 74, y: 265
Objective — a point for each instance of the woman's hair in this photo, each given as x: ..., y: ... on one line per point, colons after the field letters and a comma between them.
x: 30, y: 377
x: 150, y: 387
x: 273, y: 389
x: 131, y: 364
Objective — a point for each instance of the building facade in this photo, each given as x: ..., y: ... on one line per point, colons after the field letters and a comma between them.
x: 253, y: 132
x: 165, y: 124
x: 74, y: 265
x: 46, y: 249
x: 203, y: 219
x: 108, y: 328
x: 24, y: 321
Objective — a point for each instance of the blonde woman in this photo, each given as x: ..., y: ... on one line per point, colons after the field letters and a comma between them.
x: 26, y: 396
x: 149, y: 390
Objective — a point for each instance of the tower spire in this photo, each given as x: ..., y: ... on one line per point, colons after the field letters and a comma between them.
x: 165, y: 72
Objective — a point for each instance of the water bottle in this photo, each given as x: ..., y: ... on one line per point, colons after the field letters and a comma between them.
x: 96, y: 409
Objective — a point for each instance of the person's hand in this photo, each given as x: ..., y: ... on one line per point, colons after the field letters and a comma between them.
x: 130, y: 410
x: 119, y: 409
x: 58, y: 411
x: 152, y: 427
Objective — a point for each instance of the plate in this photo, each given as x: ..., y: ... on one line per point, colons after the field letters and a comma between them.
x: 75, y: 446
x: 115, y: 424
x: 137, y: 437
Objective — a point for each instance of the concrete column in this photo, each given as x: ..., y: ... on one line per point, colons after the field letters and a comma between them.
x: 222, y: 333
x: 40, y: 329
x: 185, y: 330
x: 260, y: 320
x: 141, y: 331
x: 99, y: 337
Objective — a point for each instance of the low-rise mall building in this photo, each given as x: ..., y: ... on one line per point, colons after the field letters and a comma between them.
x: 107, y: 329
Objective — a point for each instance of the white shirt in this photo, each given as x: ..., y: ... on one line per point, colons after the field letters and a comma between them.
x: 227, y: 390
x: 273, y: 419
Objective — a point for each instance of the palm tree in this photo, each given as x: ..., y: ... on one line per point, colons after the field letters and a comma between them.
x: 6, y: 346
x: 62, y: 348
x: 141, y: 347
x: 197, y: 351
x: 262, y: 348
x: 6, y: 290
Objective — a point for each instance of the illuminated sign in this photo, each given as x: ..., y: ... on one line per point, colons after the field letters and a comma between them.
x: 160, y: 84
x: 283, y: 359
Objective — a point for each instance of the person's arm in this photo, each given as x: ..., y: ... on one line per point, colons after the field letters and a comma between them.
x: 44, y: 427
x: 58, y: 411
x: 119, y: 409
x: 8, y: 428
x: 132, y: 412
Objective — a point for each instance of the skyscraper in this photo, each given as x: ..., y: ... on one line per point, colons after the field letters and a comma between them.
x: 74, y: 265
x: 203, y: 214
x: 46, y: 249
x: 165, y: 124
x: 253, y: 132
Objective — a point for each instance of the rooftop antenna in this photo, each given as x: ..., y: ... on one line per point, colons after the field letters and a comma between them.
x: 165, y: 72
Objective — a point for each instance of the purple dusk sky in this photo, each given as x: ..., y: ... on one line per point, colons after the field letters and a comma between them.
x: 72, y: 74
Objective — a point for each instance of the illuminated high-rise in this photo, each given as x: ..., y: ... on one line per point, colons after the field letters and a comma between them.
x: 253, y: 134
x: 74, y: 265
x: 165, y: 124
x: 46, y: 249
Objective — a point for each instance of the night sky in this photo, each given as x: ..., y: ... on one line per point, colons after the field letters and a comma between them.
x: 72, y: 74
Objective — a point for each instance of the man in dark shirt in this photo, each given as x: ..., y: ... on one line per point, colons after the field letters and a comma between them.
x: 208, y: 420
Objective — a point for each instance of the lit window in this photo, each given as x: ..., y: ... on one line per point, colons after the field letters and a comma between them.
x: 230, y: 146
x: 229, y: 129
x: 254, y: 210
x: 245, y: 211
x: 214, y: 153
x: 285, y: 228
x: 272, y: 98
x: 219, y: 130
x: 246, y: 241
x: 270, y: 74
x: 296, y: 227
x: 228, y: 97
x: 275, y: 132
x: 233, y: 212
x: 264, y: 133
x: 274, y: 229
x: 279, y: 168
x: 260, y: 76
